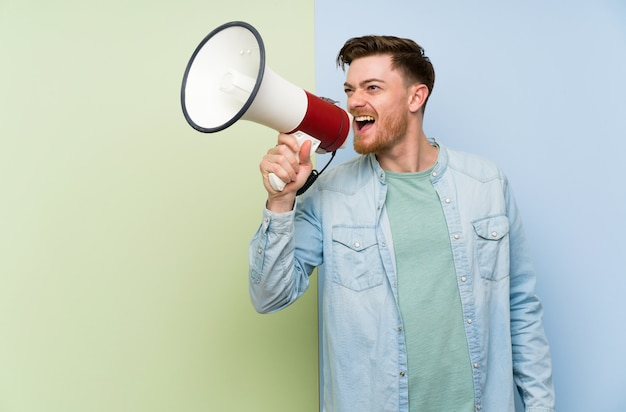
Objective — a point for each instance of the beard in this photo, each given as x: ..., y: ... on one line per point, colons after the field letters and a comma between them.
x: 390, y: 131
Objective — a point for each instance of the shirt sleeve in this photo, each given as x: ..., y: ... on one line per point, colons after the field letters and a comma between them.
x: 276, y: 277
x: 532, y: 364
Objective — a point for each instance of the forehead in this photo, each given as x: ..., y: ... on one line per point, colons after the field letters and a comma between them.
x: 371, y: 67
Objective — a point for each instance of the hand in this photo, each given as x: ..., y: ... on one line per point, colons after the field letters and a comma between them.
x: 291, y: 163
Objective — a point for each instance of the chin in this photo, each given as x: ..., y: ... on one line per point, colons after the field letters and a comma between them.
x: 363, y: 148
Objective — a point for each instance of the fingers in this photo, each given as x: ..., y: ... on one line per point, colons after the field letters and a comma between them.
x: 282, y: 161
x: 286, y: 160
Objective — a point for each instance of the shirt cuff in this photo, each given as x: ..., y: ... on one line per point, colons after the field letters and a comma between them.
x: 277, y: 222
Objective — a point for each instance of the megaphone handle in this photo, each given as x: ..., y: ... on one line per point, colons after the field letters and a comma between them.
x: 276, y: 183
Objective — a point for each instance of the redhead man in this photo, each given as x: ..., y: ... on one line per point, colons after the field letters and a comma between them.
x: 427, y: 288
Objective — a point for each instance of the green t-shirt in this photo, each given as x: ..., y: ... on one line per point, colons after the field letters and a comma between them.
x: 440, y: 374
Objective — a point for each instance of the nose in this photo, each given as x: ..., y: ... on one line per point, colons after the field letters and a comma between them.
x: 356, y: 100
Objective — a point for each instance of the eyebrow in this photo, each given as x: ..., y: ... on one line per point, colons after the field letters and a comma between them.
x: 365, y: 82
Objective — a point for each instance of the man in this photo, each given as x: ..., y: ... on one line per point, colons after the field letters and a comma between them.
x: 427, y: 289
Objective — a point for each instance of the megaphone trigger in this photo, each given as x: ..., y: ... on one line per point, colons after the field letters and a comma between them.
x: 301, y: 137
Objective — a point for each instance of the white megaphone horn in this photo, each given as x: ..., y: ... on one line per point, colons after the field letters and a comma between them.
x: 227, y: 80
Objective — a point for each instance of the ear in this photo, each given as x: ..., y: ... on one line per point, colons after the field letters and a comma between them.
x: 417, y: 97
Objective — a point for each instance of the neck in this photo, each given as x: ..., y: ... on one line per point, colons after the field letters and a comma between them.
x: 409, y: 156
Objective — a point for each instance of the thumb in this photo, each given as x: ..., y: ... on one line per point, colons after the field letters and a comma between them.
x: 305, y: 153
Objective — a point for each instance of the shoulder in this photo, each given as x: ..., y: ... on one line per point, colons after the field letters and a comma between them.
x: 473, y: 165
x: 347, y: 177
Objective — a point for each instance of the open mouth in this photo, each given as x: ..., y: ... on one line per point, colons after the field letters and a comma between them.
x: 363, y: 122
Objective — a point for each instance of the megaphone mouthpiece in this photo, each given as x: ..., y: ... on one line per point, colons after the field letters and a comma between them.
x: 326, y: 122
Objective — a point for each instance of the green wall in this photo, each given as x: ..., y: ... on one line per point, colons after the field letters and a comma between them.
x: 123, y: 231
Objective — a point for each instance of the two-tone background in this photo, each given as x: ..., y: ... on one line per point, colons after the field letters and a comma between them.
x: 124, y: 232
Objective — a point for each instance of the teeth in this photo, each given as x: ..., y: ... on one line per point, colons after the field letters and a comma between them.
x: 364, y: 119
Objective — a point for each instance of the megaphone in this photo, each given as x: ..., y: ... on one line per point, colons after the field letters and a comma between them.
x: 227, y: 80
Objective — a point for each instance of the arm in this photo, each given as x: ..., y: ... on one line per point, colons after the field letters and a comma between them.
x: 275, y: 278
x: 532, y: 366
x: 273, y: 284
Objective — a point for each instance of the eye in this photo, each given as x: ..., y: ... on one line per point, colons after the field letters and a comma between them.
x: 373, y: 87
x: 348, y: 91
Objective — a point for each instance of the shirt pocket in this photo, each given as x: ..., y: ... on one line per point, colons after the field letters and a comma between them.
x: 356, y: 261
x: 492, y: 247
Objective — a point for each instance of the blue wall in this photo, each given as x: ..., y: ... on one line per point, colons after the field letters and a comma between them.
x: 538, y: 87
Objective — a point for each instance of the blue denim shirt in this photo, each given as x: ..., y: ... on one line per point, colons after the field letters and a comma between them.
x: 340, y: 226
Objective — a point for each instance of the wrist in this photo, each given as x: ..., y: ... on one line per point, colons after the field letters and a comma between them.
x: 280, y: 204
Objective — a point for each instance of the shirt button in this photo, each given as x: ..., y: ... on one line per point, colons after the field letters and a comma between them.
x: 475, y: 365
x: 494, y: 234
x: 434, y: 174
x: 400, y: 329
x: 402, y: 373
x: 463, y: 279
x: 477, y: 407
x: 357, y: 245
x: 457, y: 236
x: 259, y: 251
x: 470, y: 321
x: 448, y: 200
